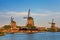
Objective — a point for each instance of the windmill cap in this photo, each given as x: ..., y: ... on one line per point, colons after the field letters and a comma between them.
x: 13, y: 21
x: 30, y: 18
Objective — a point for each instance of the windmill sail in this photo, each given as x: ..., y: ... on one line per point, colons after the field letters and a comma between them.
x: 52, y: 20
x: 12, y: 19
x: 29, y: 13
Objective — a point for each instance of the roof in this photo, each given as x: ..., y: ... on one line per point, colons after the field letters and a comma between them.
x: 30, y: 18
x: 13, y: 21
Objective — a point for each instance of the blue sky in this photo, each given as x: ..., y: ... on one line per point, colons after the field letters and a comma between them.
x: 41, y: 10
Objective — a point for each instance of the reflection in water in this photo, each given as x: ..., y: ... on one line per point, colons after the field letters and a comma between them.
x: 30, y: 37
x: 52, y: 37
x: 12, y: 37
x: 36, y: 36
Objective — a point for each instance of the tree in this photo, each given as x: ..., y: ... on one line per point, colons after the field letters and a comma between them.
x: 6, y: 27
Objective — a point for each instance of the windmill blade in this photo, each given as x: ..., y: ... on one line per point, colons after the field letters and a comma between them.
x: 29, y: 13
x: 25, y: 17
x: 12, y: 18
x: 52, y: 20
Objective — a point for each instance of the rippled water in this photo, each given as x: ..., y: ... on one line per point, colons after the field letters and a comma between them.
x: 35, y: 36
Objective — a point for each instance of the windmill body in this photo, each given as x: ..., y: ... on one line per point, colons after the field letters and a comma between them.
x: 53, y: 27
x: 30, y: 21
x: 13, y: 23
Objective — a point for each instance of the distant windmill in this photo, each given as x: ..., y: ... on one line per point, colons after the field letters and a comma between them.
x: 52, y: 23
x: 13, y: 23
x: 53, y: 27
x: 30, y: 21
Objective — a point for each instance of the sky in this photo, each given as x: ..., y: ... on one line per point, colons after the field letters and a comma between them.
x: 43, y: 11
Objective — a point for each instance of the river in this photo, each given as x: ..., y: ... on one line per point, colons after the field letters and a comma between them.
x: 35, y: 36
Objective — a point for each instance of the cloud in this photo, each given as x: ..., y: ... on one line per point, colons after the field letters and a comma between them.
x: 40, y: 14
x: 57, y: 16
x: 18, y: 14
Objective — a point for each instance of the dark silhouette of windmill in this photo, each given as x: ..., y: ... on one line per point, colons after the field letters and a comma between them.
x: 30, y: 21
x: 13, y: 23
x: 52, y: 23
x: 53, y: 27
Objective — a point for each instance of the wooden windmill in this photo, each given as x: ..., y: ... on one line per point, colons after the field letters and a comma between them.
x: 52, y: 23
x: 30, y: 21
x: 53, y: 27
x: 13, y: 23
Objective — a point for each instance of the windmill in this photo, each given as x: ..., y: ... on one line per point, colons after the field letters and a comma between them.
x: 13, y: 23
x: 53, y: 27
x: 30, y: 21
x: 52, y: 23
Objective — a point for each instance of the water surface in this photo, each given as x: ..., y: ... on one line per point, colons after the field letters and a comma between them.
x: 35, y: 36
